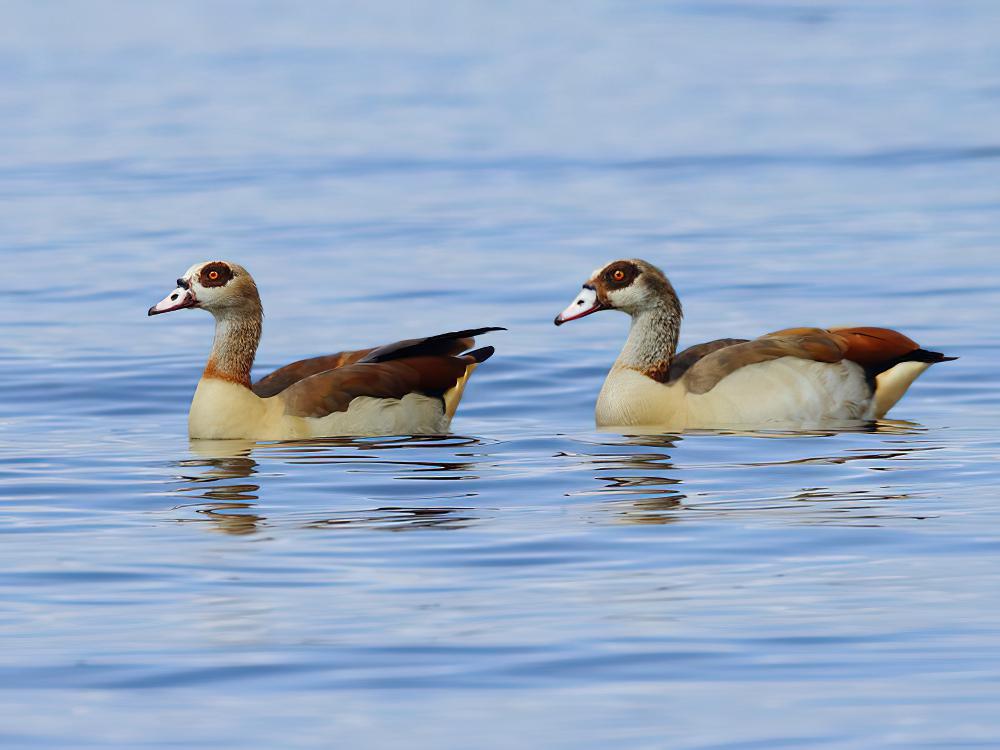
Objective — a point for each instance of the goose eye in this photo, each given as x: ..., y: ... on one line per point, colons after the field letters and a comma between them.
x: 213, y: 275
x: 618, y: 275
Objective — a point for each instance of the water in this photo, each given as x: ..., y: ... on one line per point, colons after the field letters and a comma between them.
x: 400, y: 169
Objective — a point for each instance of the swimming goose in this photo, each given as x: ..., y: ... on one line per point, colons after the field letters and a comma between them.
x: 409, y: 387
x: 795, y: 377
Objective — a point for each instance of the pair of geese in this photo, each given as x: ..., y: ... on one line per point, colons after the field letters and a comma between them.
x: 799, y: 376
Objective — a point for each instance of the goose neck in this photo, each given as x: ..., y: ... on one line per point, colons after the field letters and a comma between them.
x: 237, y: 335
x: 652, y: 340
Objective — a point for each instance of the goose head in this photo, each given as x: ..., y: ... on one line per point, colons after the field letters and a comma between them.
x: 633, y: 286
x: 221, y: 287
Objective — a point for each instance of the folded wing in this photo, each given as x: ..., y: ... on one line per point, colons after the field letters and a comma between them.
x: 444, y: 344
x: 333, y: 390
x: 874, y: 349
x: 283, y: 377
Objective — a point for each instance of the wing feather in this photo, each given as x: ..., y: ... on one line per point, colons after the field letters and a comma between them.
x: 332, y: 391
x: 283, y: 377
x: 805, y: 343
x: 448, y: 344
x: 875, y: 349
x: 686, y: 359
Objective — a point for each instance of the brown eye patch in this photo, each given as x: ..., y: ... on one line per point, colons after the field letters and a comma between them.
x: 620, y: 274
x: 215, y: 274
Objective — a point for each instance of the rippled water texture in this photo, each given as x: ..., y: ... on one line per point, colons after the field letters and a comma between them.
x: 396, y: 169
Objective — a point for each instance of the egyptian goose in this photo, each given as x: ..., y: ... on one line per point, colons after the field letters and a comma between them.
x: 797, y: 377
x: 408, y: 387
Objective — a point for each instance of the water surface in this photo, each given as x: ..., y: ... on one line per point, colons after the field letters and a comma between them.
x: 400, y: 169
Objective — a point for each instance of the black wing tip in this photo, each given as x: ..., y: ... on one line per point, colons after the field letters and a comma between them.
x: 430, y: 346
x: 473, y: 332
x: 922, y: 355
x: 463, y: 334
x: 481, y: 355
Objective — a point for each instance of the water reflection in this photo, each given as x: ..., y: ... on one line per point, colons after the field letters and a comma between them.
x: 664, y: 478
x: 241, y: 487
x: 232, y: 505
x: 647, y: 480
x: 640, y: 435
x: 224, y: 505
x: 400, y: 519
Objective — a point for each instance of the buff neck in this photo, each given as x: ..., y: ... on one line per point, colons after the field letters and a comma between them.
x: 237, y: 335
x: 652, y: 339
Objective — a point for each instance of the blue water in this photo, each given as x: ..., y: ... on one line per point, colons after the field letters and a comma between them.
x: 395, y: 169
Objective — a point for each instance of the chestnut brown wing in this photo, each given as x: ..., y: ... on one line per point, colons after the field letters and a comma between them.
x: 452, y: 343
x: 283, y: 377
x: 332, y: 391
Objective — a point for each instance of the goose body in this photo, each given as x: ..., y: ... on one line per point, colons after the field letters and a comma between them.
x: 410, y: 387
x: 800, y: 377
x: 791, y: 392
x: 224, y: 410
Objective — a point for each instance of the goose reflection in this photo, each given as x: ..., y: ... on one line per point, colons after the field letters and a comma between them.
x: 640, y: 487
x: 641, y: 483
x: 224, y: 480
x: 222, y: 502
